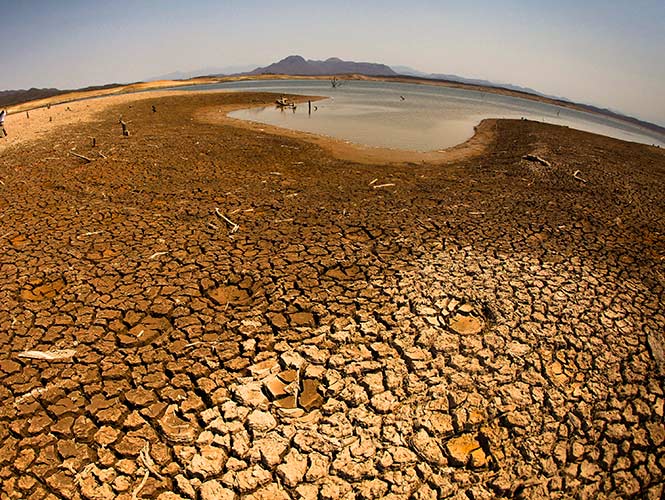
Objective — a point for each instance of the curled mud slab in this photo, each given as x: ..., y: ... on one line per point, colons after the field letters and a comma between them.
x: 489, y: 328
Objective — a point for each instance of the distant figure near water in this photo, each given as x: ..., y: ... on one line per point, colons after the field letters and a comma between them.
x: 3, y: 113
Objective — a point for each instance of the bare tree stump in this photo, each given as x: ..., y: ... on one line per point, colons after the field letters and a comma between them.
x: 125, y: 131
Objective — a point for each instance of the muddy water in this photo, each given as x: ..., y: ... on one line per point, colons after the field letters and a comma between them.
x: 414, y: 117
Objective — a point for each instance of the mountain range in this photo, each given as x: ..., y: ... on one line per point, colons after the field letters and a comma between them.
x: 298, y: 65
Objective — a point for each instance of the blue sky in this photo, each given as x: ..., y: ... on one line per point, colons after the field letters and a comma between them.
x: 607, y: 53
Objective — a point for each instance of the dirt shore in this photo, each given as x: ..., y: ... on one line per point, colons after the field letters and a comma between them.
x: 246, y: 315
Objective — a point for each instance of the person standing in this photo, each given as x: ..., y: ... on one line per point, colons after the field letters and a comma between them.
x: 3, y: 113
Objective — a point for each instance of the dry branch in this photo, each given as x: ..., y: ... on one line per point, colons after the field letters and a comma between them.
x: 234, y: 226
x: 48, y: 355
x: 87, y: 160
x: 577, y: 176
x: 537, y: 159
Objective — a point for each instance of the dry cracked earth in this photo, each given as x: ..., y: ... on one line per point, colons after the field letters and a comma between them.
x: 492, y: 328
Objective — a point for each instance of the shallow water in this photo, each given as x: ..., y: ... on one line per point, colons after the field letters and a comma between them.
x: 428, y: 118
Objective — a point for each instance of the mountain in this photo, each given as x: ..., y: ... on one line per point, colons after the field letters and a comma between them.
x: 408, y: 71
x: 210, y: 71
x: 11, y: 97
x: 297, y: 65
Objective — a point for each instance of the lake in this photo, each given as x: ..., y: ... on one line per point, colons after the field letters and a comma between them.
x: 411, y: 116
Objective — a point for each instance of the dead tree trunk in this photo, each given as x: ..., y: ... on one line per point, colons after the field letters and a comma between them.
x: 335, y: 82
x: 125, y: 131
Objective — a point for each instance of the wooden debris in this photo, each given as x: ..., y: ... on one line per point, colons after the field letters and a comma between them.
x: 537, y: 159
x: 87, y: 160
x: 377, y: 186
x: 156, y: 254
x: 125, y: 130
x: 234, y: 226
x: 148, y: 462
x: 54, y: 355
x: 576, y: 176
x: 137, y: 490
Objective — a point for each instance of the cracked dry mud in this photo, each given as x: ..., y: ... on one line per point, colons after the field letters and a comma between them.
x: 486, y: 329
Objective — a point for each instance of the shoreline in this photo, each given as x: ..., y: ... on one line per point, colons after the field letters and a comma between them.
x: 23, y: 128
x: 207, y: 80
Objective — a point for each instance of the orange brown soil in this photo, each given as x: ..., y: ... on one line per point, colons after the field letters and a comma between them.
x: 488, y: 328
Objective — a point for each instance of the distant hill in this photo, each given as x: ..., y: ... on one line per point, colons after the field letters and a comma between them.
x: 407, y: 71
x: 11, y: 97
x: 297, y: 65
x: 210, y: 71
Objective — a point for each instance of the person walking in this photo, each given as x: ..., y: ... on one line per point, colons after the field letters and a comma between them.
x: 3, y: 113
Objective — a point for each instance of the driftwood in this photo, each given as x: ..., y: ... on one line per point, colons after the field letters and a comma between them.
x: 537, y: 159
x: 234, y: 226
x: 87, y: 160
x: 125, y: 130
x: 577, y: 176
x: 335, y: 82
x: 48, y: 355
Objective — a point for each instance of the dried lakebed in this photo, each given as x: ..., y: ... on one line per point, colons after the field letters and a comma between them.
x: 489, y: 328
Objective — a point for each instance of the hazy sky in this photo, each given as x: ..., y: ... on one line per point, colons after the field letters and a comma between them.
x: 604, y: 52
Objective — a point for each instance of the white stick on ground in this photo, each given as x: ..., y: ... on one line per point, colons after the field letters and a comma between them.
x: 87, y: 160
x: 137, y: 490
x: 577, y: 176
x: 234, y: 226
x: 48, y: 355
x: 156, y: 254
x: 377, y: 186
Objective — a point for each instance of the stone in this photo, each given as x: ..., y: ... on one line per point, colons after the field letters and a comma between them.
x: 271, y: 449
x: 250, y: 394
x: 293, y: 469
x: 185, y: 487
x: 209, y: 462
x: 264, y: 368
x: 106, y: 435
x: 250, y: 479
x: 466, y: 325
x: 276, y: 388
x: 213, y: 490
x: 318, y: 467
x: 169, y: 496
x: 261, y: 421
x: 271, y: 492
x: 292, y: 359
x: 384, y: 402
x: 459, y: 449
x: 427, y: 448
x: 289, y: 402
x: 310, y: 397
x: 176, y: 429
x: 302, y: 319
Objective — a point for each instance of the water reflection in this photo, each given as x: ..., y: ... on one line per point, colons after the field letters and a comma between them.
x: 414, y: 117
